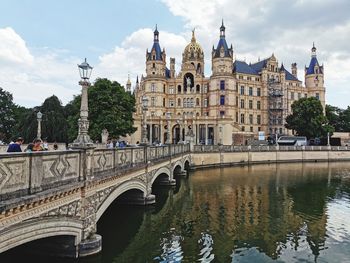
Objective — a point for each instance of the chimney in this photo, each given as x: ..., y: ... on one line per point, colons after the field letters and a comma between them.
x: 294, y: 70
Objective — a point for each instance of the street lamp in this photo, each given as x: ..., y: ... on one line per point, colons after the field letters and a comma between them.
x: 328, y: 140
x: 83, y: 140
x: 39, y: 117
x: 168, y: 115
x: 144, y: 110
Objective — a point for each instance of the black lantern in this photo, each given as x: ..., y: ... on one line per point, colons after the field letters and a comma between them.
x: 85, y: 70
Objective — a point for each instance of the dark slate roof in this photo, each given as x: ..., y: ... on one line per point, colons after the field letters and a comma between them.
x: 243, y: 67
x: 311, y: 68
x: 167, y: 73
x: 222, y: 43
x: 258, y: 66
x: 156, y: 47
x: 289, y: 76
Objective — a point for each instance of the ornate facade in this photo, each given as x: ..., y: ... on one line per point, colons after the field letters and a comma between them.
x: 229, y: 107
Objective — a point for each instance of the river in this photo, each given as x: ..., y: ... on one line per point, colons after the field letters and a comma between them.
x: 296, y: 212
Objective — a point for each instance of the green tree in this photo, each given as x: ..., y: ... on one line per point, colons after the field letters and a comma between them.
x: 27, y: 124
x: 54, y: 122
x: 307, y: 118
x: 7, y: 115
x: 344, y: 120
x: 333, y: 115
x: 110, y: 107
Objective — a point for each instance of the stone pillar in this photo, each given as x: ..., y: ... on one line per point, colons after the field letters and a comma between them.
x: 160, y: 130
x: 150, y: 133
x: 206, y: 133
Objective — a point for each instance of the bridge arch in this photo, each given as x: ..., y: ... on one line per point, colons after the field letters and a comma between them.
x: 124, y: 187
x: 37, y: 229
x: 177, y: 166
x: 163, y: 170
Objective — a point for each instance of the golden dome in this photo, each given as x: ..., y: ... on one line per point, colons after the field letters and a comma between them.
x: 193, y: 50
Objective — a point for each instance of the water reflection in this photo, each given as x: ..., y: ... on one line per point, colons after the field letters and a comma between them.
x: 263, y: 213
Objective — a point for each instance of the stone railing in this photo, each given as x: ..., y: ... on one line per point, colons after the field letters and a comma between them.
x: 24, y: 174
x: 265, y: 148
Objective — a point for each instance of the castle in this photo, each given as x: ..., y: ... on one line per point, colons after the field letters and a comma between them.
x: 231, y: 106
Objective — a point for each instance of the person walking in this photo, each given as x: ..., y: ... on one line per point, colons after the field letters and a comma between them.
x: 15, y: 147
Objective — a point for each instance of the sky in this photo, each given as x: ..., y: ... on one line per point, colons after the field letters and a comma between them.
x: 41, y: 42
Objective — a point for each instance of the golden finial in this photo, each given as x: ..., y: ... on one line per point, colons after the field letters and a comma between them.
x: 193, y: 36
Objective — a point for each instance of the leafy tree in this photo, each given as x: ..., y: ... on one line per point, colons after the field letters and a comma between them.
x: 307, y: 118
x: 333, y: 115
x: 54, y: 123
x: 27, y: 124
x: 338, y: 118
x: 110, y: 107
x: 7, y: 115
x: 344, y: 120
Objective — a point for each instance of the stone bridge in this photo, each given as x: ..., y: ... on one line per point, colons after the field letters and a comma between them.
x: 63, y: 194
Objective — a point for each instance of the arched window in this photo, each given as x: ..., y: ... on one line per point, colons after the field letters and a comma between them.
x: 198, y: 88
x: 179, y: 89
x: 179, y: 102
x: 192, y: 104
x: 197, y: 102
x: 199, y: 69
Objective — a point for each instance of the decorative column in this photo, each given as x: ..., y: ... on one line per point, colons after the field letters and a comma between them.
x: 39, y: 117
x: 144, y: 124
x: 206, y: 133
x: 83, y: 140
x: 168, y: 140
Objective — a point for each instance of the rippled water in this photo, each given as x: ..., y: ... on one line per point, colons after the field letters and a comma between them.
x: 261, y: 213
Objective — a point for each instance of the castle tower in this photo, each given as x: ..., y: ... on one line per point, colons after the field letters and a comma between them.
x: 314, y: 78
x: 128, y: 84
x: 222, y: 56
x: 294, y: 70
x: 155, y: 59
x: 222, y: 89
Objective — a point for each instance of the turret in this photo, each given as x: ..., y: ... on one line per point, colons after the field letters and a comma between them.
x: 155, y: 59
x: 294, y: 70
x: 314, y: 78
x: 172, y: 67
x: 128, y: 84
x: 222, y: 55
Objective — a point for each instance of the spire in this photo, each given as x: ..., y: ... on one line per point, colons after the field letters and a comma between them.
x: 128, y: 84
x: 137, y: 79
x: 193, y: 36
x: 313, y: 50
x: 156, y: 34
x: 222, y: 29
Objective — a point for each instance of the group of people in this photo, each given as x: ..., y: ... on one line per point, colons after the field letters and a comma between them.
x: 116, y: 144
x: 36, y: 146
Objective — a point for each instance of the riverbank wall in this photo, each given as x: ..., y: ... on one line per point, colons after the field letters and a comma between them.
x: 204, y: 156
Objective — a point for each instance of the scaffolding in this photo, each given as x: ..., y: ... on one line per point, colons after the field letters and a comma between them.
x: 276, y: 107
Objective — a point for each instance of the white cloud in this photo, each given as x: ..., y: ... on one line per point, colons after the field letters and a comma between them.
x: 33, y: 78
x: 130, y: 57
x: 13, y: 48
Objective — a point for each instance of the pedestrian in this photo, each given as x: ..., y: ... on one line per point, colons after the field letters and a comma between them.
x: 55, y: 146
x: 16, y: 147
x: 37, y: 146
x: 45, y: 145
x: 29, y: 148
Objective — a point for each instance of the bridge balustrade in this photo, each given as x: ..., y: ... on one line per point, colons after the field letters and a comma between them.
x: 24, y: 174
x: 262, y: 148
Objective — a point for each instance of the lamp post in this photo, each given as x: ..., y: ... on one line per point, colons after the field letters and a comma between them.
x: 168, y: 115
x: 144, y: 110
x: 328, y: 141
x: 83, y: 140
x: 39, y: 117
